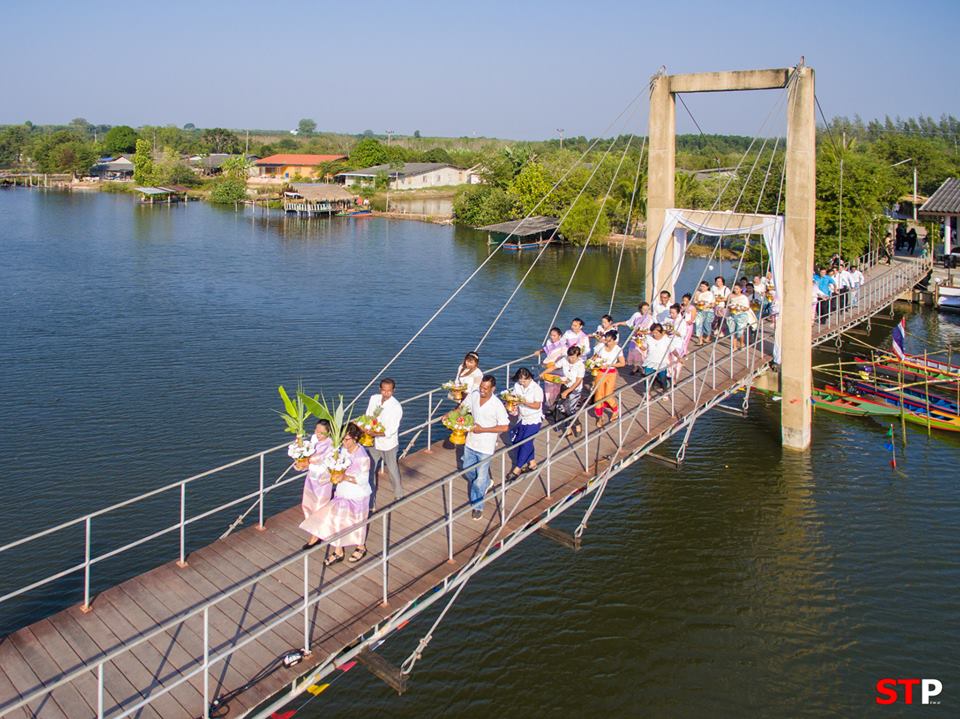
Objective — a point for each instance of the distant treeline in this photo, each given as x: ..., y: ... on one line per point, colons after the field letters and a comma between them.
x: 601, y: 181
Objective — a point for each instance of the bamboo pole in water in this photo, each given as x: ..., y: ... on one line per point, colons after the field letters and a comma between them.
x: 926, y: 387
x: 903, y: 416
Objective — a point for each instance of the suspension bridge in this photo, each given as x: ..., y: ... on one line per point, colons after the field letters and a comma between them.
x: 248, y: 622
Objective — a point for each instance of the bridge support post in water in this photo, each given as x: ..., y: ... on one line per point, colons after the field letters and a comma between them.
x: 794, y: 330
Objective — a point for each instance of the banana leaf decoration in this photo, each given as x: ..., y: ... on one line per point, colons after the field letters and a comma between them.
x: 295, y: 413
x: 336, y: 416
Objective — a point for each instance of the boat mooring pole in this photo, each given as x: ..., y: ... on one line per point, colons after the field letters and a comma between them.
x: 926, y: 386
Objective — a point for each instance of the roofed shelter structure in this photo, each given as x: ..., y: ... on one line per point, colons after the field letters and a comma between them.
x: 283, y: 167
x: 317, y: 198
x: 795, y: 324
x: 526, y: 233
x: 944, y: 206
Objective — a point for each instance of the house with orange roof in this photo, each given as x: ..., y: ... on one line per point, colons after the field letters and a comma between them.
x: 285, y: 167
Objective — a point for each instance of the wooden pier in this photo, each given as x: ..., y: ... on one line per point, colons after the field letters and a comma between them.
x: 167, y: 643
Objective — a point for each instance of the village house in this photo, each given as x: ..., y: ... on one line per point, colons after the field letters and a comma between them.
x: 411, y: 175
x: 284, y: 167
x: 212, y: 164
x: 114, y: 168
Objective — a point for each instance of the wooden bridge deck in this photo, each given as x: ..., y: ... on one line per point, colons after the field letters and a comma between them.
x: 418, y: 549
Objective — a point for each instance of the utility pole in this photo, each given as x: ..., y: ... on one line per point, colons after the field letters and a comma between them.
x: 915, y: 192
x: 246, y: 150
x: 389, y: 136
x: 560, y: 130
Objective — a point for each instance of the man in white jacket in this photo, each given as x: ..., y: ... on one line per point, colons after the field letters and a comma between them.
x: 384, y: 450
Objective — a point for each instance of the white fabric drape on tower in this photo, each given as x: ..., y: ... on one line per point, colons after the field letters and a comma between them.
x: 676, y: 223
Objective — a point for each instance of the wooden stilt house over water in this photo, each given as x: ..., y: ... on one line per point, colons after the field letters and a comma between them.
x: 317, y: 198
x: 525, y: 234
x: 168, y: 195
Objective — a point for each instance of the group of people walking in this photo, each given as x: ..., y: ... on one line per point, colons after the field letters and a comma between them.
x: 576, y: 367
x: 835, y: 287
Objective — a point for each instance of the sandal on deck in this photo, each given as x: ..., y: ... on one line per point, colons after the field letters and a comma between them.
x: 517, y: 471
x: 357, y: 555
x: 530, y: 466
x: 333, y: 559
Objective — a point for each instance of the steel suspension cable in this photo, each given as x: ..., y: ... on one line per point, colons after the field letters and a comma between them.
x: 473, y: 274
x: 553, y: 235
x: 626, y: 227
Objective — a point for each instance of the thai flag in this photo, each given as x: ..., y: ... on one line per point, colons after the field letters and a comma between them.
x: 899, y: 332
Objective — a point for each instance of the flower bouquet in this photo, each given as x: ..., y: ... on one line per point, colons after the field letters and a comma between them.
x: 459, y: 421
x: 510, y: 400
x: 456, y: 389
x: 371, y: 426
x: 295, y: 414
x: 595, y: 365
x: 555, y: 379
x: 337, y: 464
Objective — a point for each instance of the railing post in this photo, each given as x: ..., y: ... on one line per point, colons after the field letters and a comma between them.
x: 503, y: 488
x: 100, y: 690
x: 450, y: 520
x: 507, y: 379
x: 182, y: 562
x: 260, y: 525
x: 206, y: 662
x: 86, y: 566
x: 649, y: 380
x: 385, y: 561
x: 548, y: 461
x: 306, y: 602
x: 586, y: 438
x: 429, y: 420
x: 732, y: 341
x: 620, y: 422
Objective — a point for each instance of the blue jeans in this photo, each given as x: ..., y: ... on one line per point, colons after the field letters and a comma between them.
x: 478, y: 475
x: 661, y: 377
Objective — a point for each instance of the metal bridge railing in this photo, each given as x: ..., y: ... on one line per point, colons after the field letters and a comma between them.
x: 755, y: 354
x: 839, y: 311
x: 180, y: 487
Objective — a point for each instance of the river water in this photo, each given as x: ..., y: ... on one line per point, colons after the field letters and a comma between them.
x: 143, y: 344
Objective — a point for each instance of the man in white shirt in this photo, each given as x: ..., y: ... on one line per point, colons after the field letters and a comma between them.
x: 489, y: 420
x: 661, y: 307
x: 844, y: 285
x: 856, y: 280
x: 384, y: 450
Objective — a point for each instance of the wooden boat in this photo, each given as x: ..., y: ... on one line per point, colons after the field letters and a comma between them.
x: 833, y: 400
x: 519, y: 246
x: 916, y: 364
x: 913, y: 411
x: 917, y: 380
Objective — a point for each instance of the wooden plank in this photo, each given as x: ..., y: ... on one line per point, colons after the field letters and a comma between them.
x: 25, y: 680
x: 67, y: 697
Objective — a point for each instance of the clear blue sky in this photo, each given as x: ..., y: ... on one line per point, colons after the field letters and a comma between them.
x: 509, y: 69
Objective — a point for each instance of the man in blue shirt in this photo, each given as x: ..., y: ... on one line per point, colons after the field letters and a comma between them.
x: 827, y: 286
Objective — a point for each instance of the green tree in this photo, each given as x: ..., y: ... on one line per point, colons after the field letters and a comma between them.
x: 218, y: 139
x: 75, y: 157
x: 143, y: 168
x: 237, y: 168
x: 13, y: 143
x: 416, y: 134
x: 189, y: 126
x: 477, y: 205
x: 119, y: 139
x: 437, y: 154
x: 82, y: 126
x: 306, y: 127
x: 870, y: 187
x: 228, y: 191
x: 585, y: 221
x: 367, y: 153
x: 529, y: 188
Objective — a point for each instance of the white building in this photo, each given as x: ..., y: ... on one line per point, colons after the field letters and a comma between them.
x: 411, y: 175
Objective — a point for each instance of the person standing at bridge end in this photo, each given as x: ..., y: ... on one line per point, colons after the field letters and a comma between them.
x: 389, y: 411
x: 489, y: 420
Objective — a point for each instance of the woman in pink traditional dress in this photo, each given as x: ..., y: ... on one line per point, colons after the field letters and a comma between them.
x: 639, y: 323
x: 317, y: 489
x: 348, y: 508
x: 554, y: 349
x: 689, y: 312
